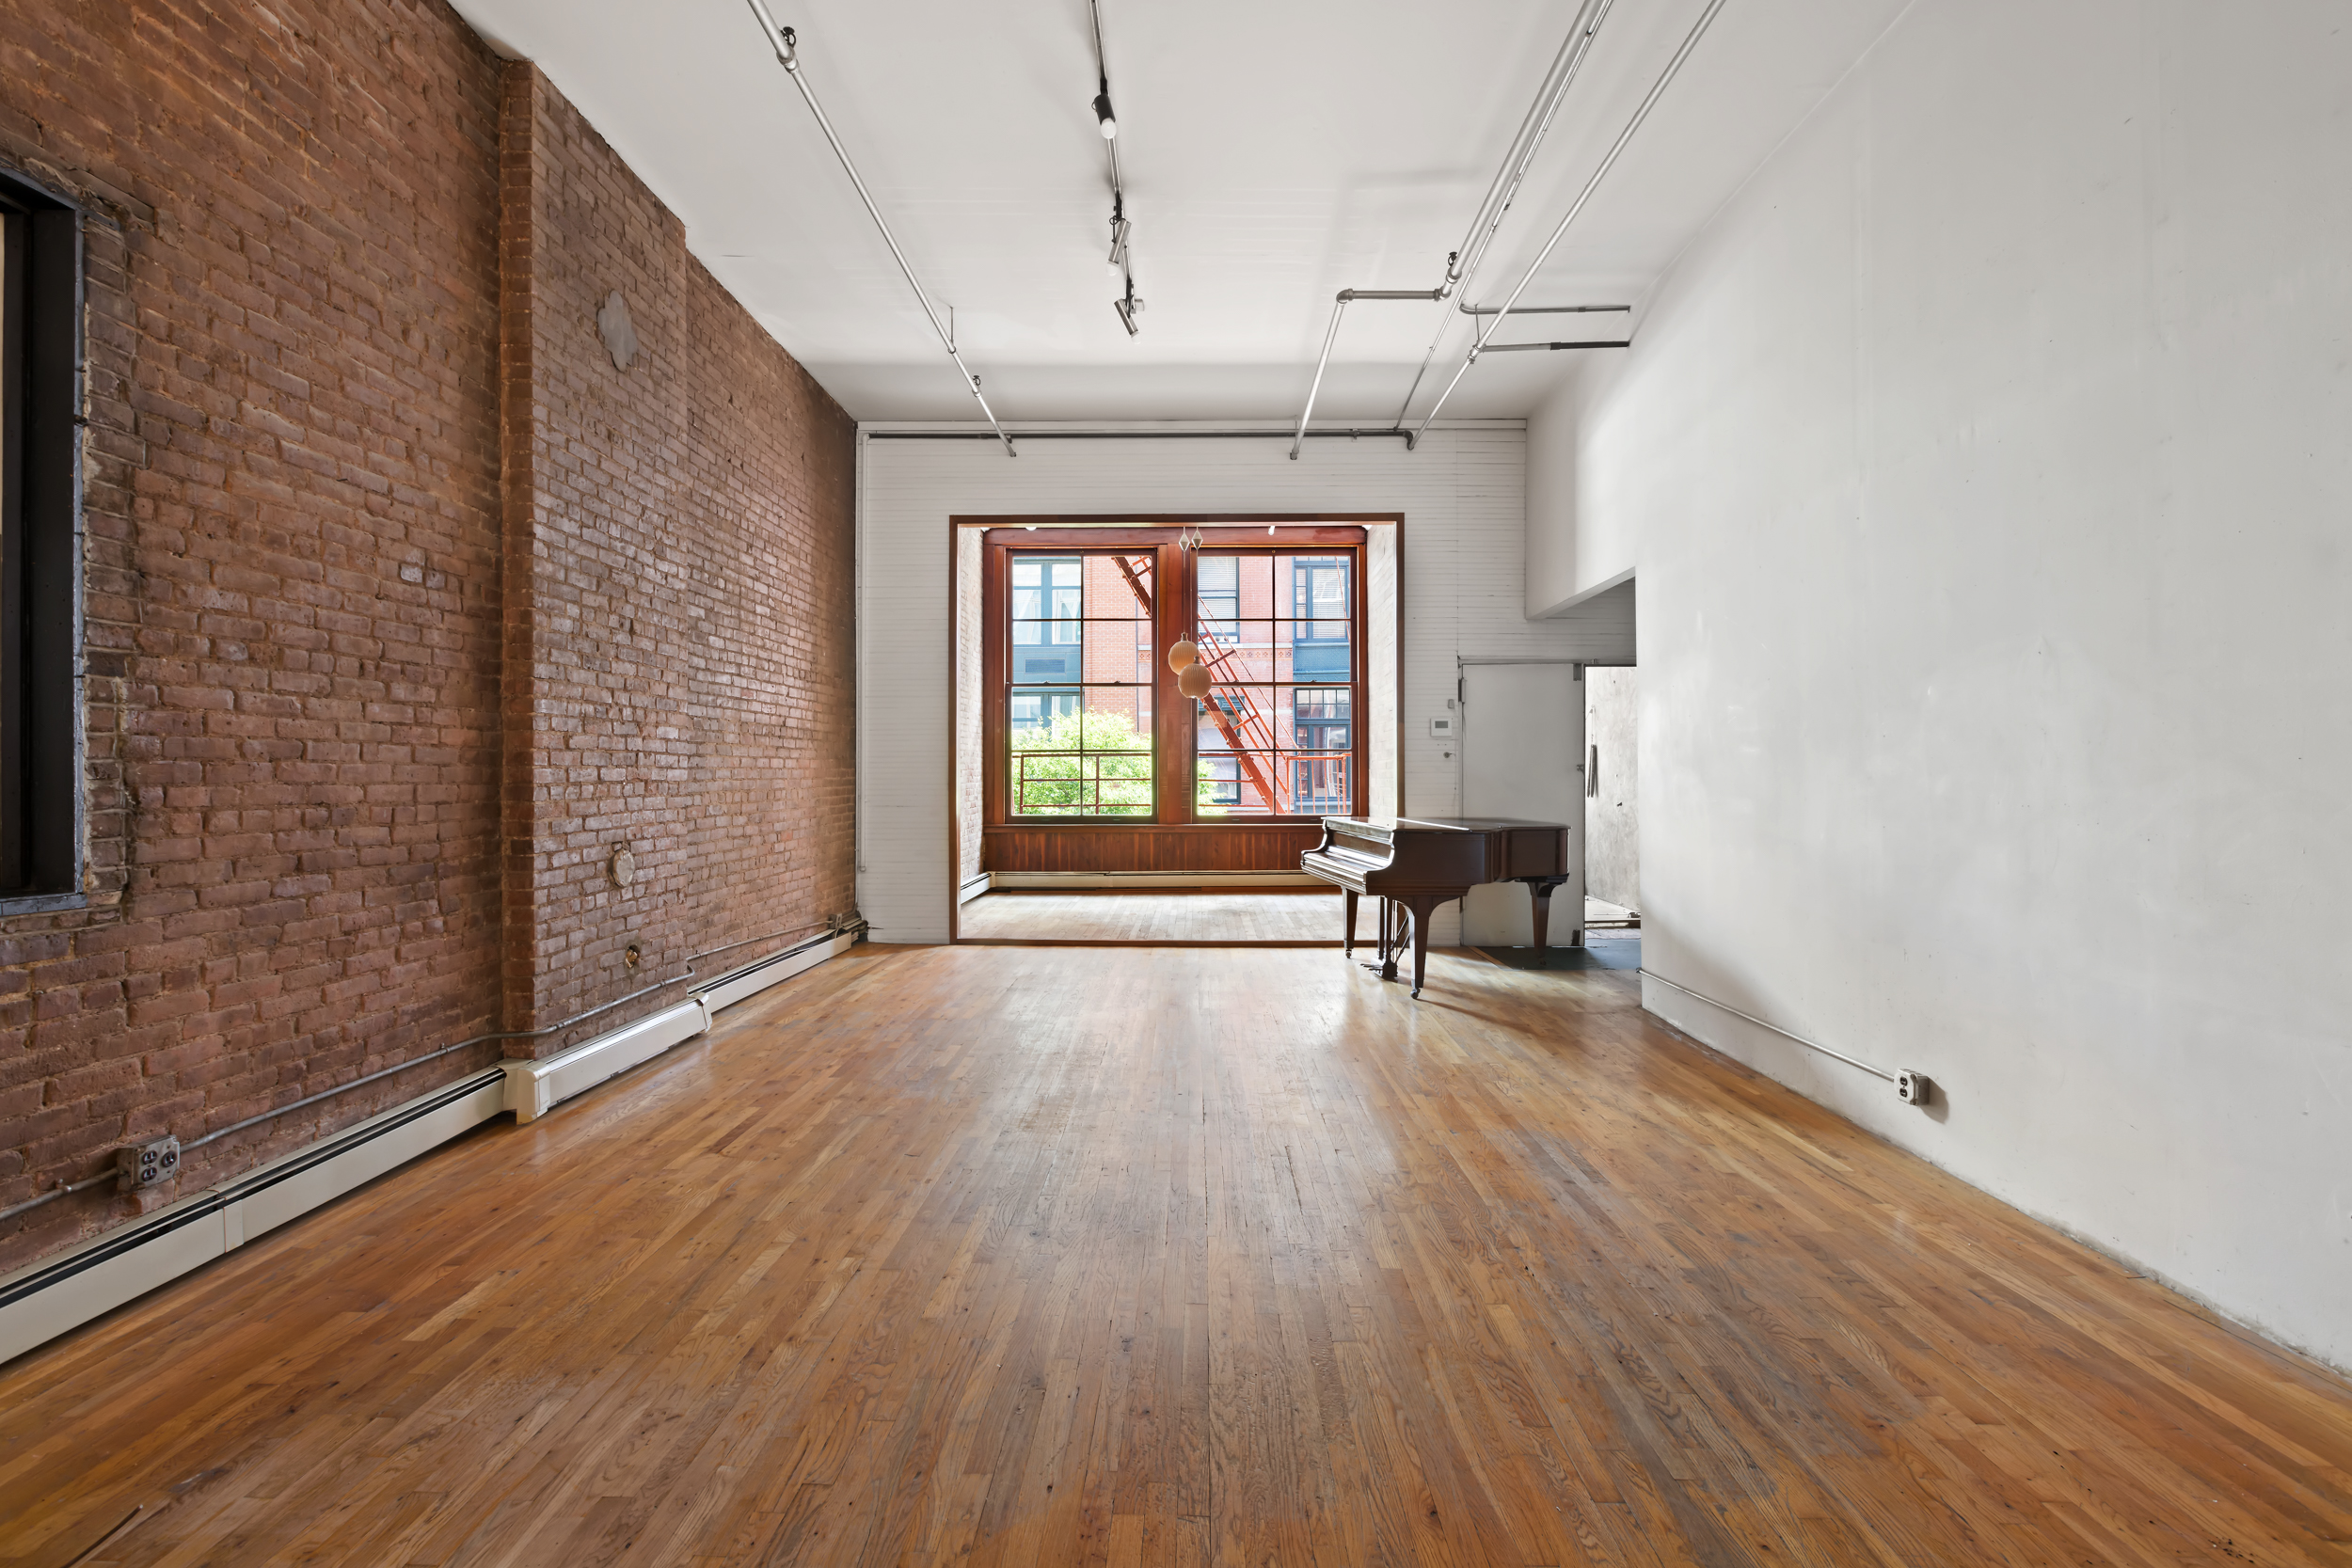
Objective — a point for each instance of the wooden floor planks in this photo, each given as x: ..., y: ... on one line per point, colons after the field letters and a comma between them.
x: 1313, y: 915
x: 1173, y: 1256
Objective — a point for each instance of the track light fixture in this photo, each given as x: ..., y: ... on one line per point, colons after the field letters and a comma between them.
x: 1121, y: 229
x: 1120, y: 261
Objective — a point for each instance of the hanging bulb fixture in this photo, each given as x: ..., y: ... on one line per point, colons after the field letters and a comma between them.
x: 1183, y: 655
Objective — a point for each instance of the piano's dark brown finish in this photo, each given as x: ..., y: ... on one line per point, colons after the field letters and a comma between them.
x: 1415, y: 864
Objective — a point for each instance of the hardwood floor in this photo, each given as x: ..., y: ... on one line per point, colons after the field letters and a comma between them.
x: 1172, y: 1256
x: 1249, y: 918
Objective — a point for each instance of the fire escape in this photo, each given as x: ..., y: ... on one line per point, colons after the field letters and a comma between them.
x: 1246, y: 731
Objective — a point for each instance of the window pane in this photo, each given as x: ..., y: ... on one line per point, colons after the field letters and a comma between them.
x: 1048, y: 601
x: 1113, y: 595
x: 1317, y: 587
x: 1081, y: 752
x: 1239, y: 654
x: 1254, y: 582
x: 1320, y: 720
x: 1236, y: 783
x: 1119, y: 651
x: 1117, y: 718
x: 1319, y: 786
x: 1089, y: 783
x: 1316, y: 649
x: 1216, y: 593
x: 1038, y: 661
x: 1236, y: 719
x: 1036, y: 713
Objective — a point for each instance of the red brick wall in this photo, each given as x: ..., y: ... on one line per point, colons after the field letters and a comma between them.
x: 686, y: 621
x: 298, y: 643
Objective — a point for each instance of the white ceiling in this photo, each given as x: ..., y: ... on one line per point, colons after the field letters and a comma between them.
x: 1275, y: 152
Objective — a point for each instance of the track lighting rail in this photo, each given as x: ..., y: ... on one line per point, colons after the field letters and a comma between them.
x: 781, y: 40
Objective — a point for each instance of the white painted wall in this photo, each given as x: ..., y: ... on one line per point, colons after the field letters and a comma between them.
x: 1985, y: 466
x: 1463, y: 505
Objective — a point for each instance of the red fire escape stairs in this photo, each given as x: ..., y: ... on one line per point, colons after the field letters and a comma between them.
x: 1244, y: 729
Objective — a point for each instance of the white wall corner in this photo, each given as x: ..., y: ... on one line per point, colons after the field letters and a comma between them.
x: 1551, y: 529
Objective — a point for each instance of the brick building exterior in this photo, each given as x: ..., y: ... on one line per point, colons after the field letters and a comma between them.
x: 406, y: 606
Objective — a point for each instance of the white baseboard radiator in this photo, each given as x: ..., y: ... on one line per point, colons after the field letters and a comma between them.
x: 45, y: 1299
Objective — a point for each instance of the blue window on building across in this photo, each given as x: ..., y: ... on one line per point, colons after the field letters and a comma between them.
x: 1320, y: 718
x: 1320, y: 619
x: 1048, y: 618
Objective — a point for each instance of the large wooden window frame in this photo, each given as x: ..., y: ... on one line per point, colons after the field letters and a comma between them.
x: 1174, y: 717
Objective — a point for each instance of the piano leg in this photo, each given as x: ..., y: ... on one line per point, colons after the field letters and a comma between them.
x: 1348, y: 942
x: 1539, y: 891
x: 1421, y: 908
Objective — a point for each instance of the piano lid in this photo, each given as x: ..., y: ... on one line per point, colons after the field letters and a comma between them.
x: 1386, y: 827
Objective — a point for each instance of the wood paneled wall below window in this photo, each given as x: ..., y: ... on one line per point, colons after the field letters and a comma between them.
x: 1204, y: 847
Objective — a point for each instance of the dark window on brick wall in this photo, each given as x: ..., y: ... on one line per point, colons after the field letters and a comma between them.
x: 40, y: 364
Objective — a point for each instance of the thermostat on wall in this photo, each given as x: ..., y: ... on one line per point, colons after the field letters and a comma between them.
x: 1441, y: 728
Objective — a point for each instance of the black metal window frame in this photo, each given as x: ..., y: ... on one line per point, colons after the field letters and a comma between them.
x: 42, y: 797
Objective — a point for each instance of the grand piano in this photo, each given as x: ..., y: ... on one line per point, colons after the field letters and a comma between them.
x: 1414, y: 864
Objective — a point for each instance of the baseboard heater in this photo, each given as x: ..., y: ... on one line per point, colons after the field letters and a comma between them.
x: 44, y: 1299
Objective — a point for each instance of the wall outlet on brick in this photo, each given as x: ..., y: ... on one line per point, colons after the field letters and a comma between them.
x: 147, y: 1165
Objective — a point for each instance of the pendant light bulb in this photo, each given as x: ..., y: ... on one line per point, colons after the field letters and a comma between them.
x: 1183, y: 655
x: 1193, y: 680
x: 1104, y: 119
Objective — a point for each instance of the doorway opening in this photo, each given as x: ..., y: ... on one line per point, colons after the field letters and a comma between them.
x: 1105, y: 793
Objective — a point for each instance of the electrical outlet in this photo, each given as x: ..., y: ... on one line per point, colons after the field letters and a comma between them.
x: 147, y: 1165
x: 1913, y: 1089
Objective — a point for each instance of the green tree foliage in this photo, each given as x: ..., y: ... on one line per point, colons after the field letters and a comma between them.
x: 1104, y: 768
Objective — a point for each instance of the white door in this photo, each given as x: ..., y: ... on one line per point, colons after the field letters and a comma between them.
x: 1522, y: 755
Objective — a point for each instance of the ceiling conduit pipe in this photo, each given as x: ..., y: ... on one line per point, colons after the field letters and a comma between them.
x: 1339, y: 309
x: 1503, y: 192
x: 786, y: 45
x: 1607, y: 161
x: 1500, y: 191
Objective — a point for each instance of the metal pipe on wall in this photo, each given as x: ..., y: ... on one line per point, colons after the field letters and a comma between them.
x: 781, y: 40
x: 1607, y: 161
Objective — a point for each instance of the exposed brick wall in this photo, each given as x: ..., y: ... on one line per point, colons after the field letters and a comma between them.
x: 296, y: 516
x: 291, y: 577
x: 688, y: 621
